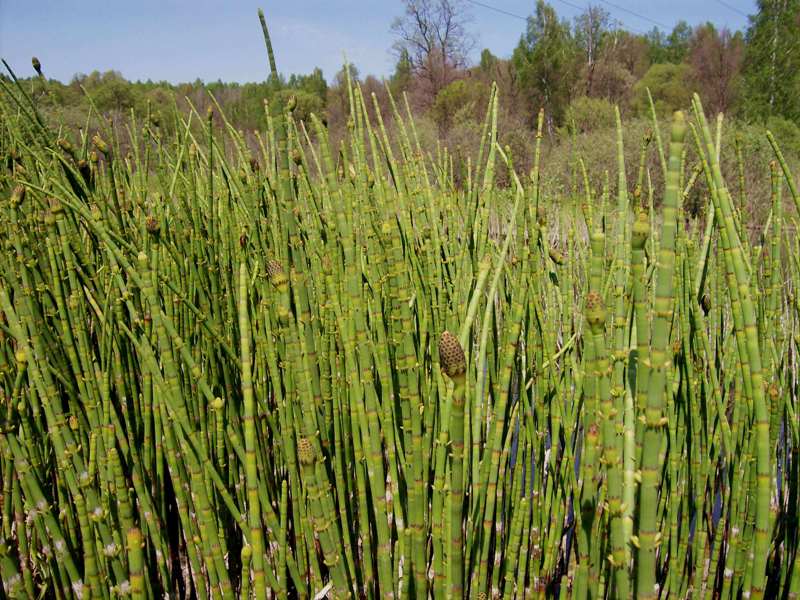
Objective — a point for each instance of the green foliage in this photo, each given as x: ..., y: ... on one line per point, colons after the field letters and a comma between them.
x: 786, y: 132
x: 668, y: 84
x: 678, y: 41
x: 589, y: 114
x: 590, y: 30
x: 402, y: 76
x: 488, y: 62
x: 243, y: 104
x: 545, y: 61
x: 313, y: 84
x: 307, y: 103
x: 464, y: 96
x: 771, y: 69
x: 113, y: 93
x: 670, y: 48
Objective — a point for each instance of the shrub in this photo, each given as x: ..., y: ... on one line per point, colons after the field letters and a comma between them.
x: 786, y: 132
x: 465, y: 96
x: 669, y: 85
x: 589, y: 114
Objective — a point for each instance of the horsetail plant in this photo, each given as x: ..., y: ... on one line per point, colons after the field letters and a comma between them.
x: 227, y: 366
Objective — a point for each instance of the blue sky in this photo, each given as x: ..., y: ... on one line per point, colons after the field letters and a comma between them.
x: 181, y: 40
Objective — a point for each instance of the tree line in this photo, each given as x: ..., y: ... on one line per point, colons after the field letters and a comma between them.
x: 577, y: 70
x: 573, y: 68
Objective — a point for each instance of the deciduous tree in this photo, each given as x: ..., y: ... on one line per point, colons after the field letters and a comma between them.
x: 591, y: 27
x: 715, y: 58
x: 433, y: 35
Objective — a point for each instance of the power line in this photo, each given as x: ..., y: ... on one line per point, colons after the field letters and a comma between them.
x: 564, y: 2
x: 731, y: 8
x: 637, y: 15
x: 619, y: 22
x: 498, y: 10
x: 570, y: 4
x: 612, y: 5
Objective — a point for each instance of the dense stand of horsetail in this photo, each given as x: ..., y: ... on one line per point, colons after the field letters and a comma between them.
x: 303, y: 369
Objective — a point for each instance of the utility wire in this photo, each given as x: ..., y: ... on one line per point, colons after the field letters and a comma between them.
x: 575, y: 6
x: 564, y: 2
x: 619, y: 22
x: 731, y: 8
x: 637, y: 15
x: 612, y: 5
x: 498, y: 10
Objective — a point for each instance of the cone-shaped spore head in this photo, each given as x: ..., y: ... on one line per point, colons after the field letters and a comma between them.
x: 275, y: 272
x: 451, y: 355
x: 305, y: 451
x: 595, y: 311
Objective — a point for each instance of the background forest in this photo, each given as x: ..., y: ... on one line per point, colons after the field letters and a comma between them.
x: 576, y: 70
